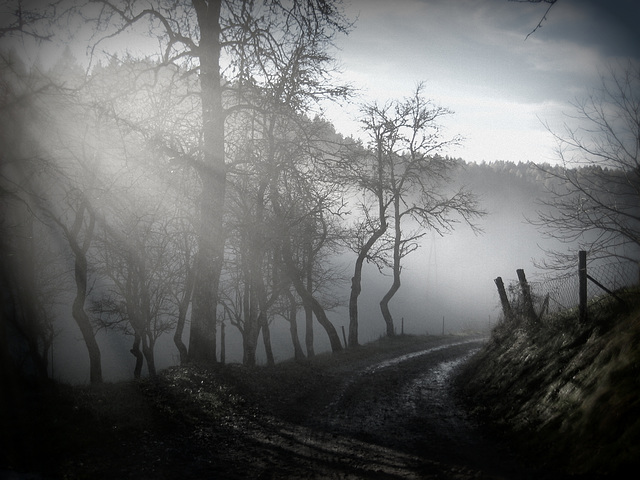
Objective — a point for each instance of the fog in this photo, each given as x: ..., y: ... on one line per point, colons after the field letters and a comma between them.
x: 448, y: 278
x: 111, y: 182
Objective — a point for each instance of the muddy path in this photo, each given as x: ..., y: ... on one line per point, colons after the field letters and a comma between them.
x: 395, y: 418
x: 387, y: 414
x: 407, y: 404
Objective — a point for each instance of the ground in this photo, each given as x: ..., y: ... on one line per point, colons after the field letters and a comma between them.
x: 385, y: 410
x: 565, y: 391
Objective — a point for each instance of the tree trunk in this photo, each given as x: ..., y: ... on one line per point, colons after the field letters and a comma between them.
x: 293, y: 326
x: 251, y: 331
x: 253, y: 245
x: 395, y: 286
x: 263, y: 321
x: 177, y: 340
x: 183, y: 307
x: 135, y: 351
x: 384, y: 307
x: 308, y: 311
x: 34, y: 324
x: 309, y: 300
x: 266, y: 339
x: 82, y: 320
x: 356, y: 283
x: 308, y: 332
x: 223, y: 344
x: 249, y: 352
x: 81, y: 272
x: 147, y: 351
x: 356, y: 280
x: 208, y: 268
x: 250, y: 336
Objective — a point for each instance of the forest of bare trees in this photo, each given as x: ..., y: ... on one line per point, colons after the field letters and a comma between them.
x: 198, y: 187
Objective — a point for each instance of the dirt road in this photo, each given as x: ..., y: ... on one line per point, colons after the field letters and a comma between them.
x: 406, y: 404
x: 395, y: 418
x: 385, y: 413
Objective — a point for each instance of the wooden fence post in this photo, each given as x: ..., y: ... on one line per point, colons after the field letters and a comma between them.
x: 582, y: 275
x: 504, y: 300
x: 526, y: 295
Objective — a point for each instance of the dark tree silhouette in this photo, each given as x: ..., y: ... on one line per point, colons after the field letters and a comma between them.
x: 280, y: 47
x: 412, y: 179
x: 594, y: 202
x: 544, y: 16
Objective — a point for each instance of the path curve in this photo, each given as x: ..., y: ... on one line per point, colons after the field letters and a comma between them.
x: 417, y: 414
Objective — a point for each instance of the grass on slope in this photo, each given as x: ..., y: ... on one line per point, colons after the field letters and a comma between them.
x: 568, y: 392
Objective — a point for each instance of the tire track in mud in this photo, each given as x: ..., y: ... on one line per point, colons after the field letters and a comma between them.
x: 352, y: 437
x: 377, y: 367
x: 393, y: 419
x: 406, y: 404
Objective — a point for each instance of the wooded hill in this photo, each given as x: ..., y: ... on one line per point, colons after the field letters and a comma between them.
x: 102, y: 187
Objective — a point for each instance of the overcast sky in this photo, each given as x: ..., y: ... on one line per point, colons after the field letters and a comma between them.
x: 475, y: 60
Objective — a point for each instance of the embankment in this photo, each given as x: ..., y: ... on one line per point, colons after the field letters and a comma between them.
x: 567, y: 393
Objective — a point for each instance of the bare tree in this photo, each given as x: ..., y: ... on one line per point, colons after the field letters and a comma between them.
x: 138, y: 259
x: 161, y: 146
x: 80, y: 235
x: 595, y: 191
x: 304, y: 196
x: 53, y: 175
x: 298, y: 269
x: 281, y: 46
x: 251, y: 283
x: 27, y: 330
x: 366, y: 170
x: 551, y: 3
x: 414, y: 180
x: 278, y: 165
x: 20, y: 19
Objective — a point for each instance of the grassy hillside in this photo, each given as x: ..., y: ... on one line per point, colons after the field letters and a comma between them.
x: 568, y: 393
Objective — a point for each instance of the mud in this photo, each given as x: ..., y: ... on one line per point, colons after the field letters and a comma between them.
x: 407, y: 404
x: 394, y: 418
x: 389, y: 414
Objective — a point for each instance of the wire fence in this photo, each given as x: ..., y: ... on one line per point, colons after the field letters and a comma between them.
x: 561, y: 294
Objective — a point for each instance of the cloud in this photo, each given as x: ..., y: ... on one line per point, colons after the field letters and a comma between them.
x: 610, y: 28
x: 475, y: 60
